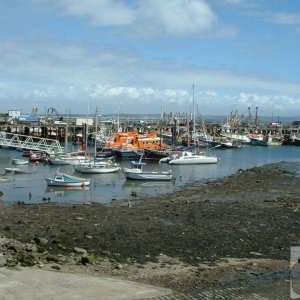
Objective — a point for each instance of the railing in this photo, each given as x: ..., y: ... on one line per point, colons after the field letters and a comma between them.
x: 26, y: 142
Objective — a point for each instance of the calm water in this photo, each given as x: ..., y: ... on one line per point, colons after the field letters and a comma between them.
x: 114, y: 188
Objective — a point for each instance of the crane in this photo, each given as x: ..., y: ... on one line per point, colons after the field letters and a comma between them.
x: 51, y: 112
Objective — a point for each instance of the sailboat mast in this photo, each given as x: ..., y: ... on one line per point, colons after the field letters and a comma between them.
x: 66, y: 132
x: 96, y: 129
x: 194, y: 117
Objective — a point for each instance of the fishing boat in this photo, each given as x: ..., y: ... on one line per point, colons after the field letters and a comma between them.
x: 294, y: 139
x: 190, y: 158
x: 19, y: 161
x: 268, y: 140
x: 66, y: 180
x: 136, y: 172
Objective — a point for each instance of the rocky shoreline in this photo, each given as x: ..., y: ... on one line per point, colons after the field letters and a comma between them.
x: 224, y: 232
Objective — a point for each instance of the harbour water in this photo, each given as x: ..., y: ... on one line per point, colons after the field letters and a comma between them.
x: 113, y: 188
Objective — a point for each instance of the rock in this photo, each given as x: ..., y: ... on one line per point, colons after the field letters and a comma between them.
x: 41, y: 241
x: 61, y: 247
x: 256, y: 254
x: 3, y: 261
x: 15, y: 247
x: 79, y: 250
x: 86, y: 259
x: 27, y: 259
x: 51, y: 257
x: 31, y: 248
x: 56, y: 267
x: 11, y: 262
x: 240, y: 269
x: 119, y: 266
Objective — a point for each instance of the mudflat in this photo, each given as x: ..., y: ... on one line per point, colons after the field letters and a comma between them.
x: 224, y: 232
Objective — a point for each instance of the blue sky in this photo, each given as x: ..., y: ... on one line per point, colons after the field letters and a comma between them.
x: 145, y: 55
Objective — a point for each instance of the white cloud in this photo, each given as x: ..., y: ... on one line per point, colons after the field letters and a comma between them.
x: 100, y: 12
x: 234, y: 2
x: 177, y: 17
x: 144, y: 18
x: 285, y: 18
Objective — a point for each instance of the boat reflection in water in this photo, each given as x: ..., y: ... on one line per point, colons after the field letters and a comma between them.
x: 138, y: 188
x: 60, y: 191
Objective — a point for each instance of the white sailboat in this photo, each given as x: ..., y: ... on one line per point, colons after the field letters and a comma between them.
x: 68, y: 158
x: 98, y: 167
x: 95, y: 166
x: 190, y: 158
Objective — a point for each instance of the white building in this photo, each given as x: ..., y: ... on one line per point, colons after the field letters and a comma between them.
x: 14, y: 114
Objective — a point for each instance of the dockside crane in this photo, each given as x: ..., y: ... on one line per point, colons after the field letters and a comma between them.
x: 51, y: 113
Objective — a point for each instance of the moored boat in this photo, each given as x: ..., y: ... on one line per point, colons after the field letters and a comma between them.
x: 4, y: 179
x: 68, y: 159
x: 132, y: 144
x: 98, y: 167
x: 295, y: 139
x: 16, y: 171
x: 36, y: 157
x: 66, y: 180
x: 268, y: 140
x: 128, y: 153
x: 136, y: 172
x: 190, y: 158
x: 19, y: 161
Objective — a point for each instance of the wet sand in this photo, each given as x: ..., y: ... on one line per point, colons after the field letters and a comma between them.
x: 225, y: 232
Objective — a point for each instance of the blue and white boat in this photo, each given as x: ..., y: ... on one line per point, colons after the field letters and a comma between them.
x: 66, y: 180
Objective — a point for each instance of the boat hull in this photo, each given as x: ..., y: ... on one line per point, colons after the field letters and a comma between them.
x: 52, y: 182
x: 16, y: 171
x: 4, y: 179
x: 67, y: 181
x: 18, y: 161
x: 128, y: 154
x: 153, y: 176
x: 257, y: 142
x: 68, y: 160
x: 211, y: 160
x: 96, y: 169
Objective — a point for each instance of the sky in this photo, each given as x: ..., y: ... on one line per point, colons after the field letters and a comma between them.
x: 149, y: 56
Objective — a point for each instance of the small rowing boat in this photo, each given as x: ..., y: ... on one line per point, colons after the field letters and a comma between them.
x: 16, y: 171
x: 19, y: 161
x: 4, y: 179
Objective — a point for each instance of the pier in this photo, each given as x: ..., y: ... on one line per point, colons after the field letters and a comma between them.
x: 30, y: 143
